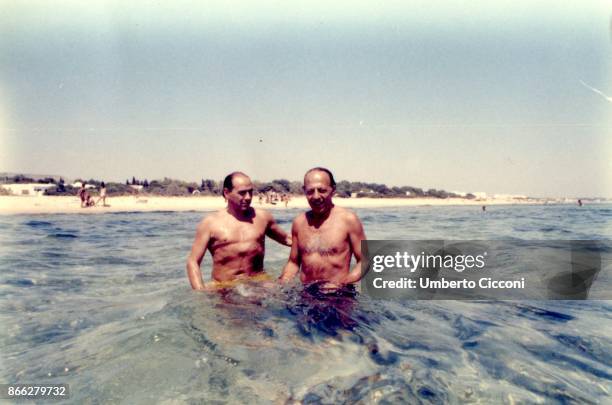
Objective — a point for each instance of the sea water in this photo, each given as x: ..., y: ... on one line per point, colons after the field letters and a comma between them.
x: 101, y: 302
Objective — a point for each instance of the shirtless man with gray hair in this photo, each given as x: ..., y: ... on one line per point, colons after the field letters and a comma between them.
x: 324, y: 238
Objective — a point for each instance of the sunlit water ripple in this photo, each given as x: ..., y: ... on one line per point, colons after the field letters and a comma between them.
x: 101, y: 302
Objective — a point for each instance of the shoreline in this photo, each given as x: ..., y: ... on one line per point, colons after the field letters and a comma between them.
x: 71, y: 204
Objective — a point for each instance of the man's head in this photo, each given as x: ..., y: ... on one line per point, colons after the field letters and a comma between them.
x: 238, y: 191
x: 319, y: 188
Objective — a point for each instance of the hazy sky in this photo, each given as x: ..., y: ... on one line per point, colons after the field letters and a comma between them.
x: 502, y: 97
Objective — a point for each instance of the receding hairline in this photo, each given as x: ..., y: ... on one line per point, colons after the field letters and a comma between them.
x: 229, y: 179
x: 328, y: 172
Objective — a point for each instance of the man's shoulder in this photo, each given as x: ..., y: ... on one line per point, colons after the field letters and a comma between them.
x: 344, y: 212
x: 212, y: 218
x: 261, y: 213
x: 346, y: 215
x: 300, y: 219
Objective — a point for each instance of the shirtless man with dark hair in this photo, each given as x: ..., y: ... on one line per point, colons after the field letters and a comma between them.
x: 324, y: 238
x: 235, y: 237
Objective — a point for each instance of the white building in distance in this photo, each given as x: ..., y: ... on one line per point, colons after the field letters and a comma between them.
x: 27, y: 189
x: 77, y: 184
x: 480, y: 195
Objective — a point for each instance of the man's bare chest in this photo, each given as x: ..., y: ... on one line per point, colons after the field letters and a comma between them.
x: 238, y: 233
x: 329, y: 241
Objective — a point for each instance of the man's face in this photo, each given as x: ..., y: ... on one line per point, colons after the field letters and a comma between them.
x: 241, y: 194
x: 319, y: 191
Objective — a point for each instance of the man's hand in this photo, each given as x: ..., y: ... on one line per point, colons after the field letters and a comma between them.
x: 277, y: 233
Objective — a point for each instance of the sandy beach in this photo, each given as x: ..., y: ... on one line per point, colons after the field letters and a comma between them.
x: 51, y: 205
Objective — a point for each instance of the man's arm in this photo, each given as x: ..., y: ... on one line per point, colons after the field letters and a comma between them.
x: 355, y: 235
x: 277, y: 233
x: 295, y: 259
x: 198, y: 249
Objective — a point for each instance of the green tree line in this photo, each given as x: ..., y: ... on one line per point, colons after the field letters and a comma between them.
x: 210, y: 187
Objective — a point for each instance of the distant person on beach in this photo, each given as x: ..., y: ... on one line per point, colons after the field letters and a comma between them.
x: 484, y: 208
x: 86, y: 200
x: 102, y: 196
x: 324, y: 238
x: 580, y: 203
x: 89, y: 201
x: 81, y: 194
x: 235, y: 237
